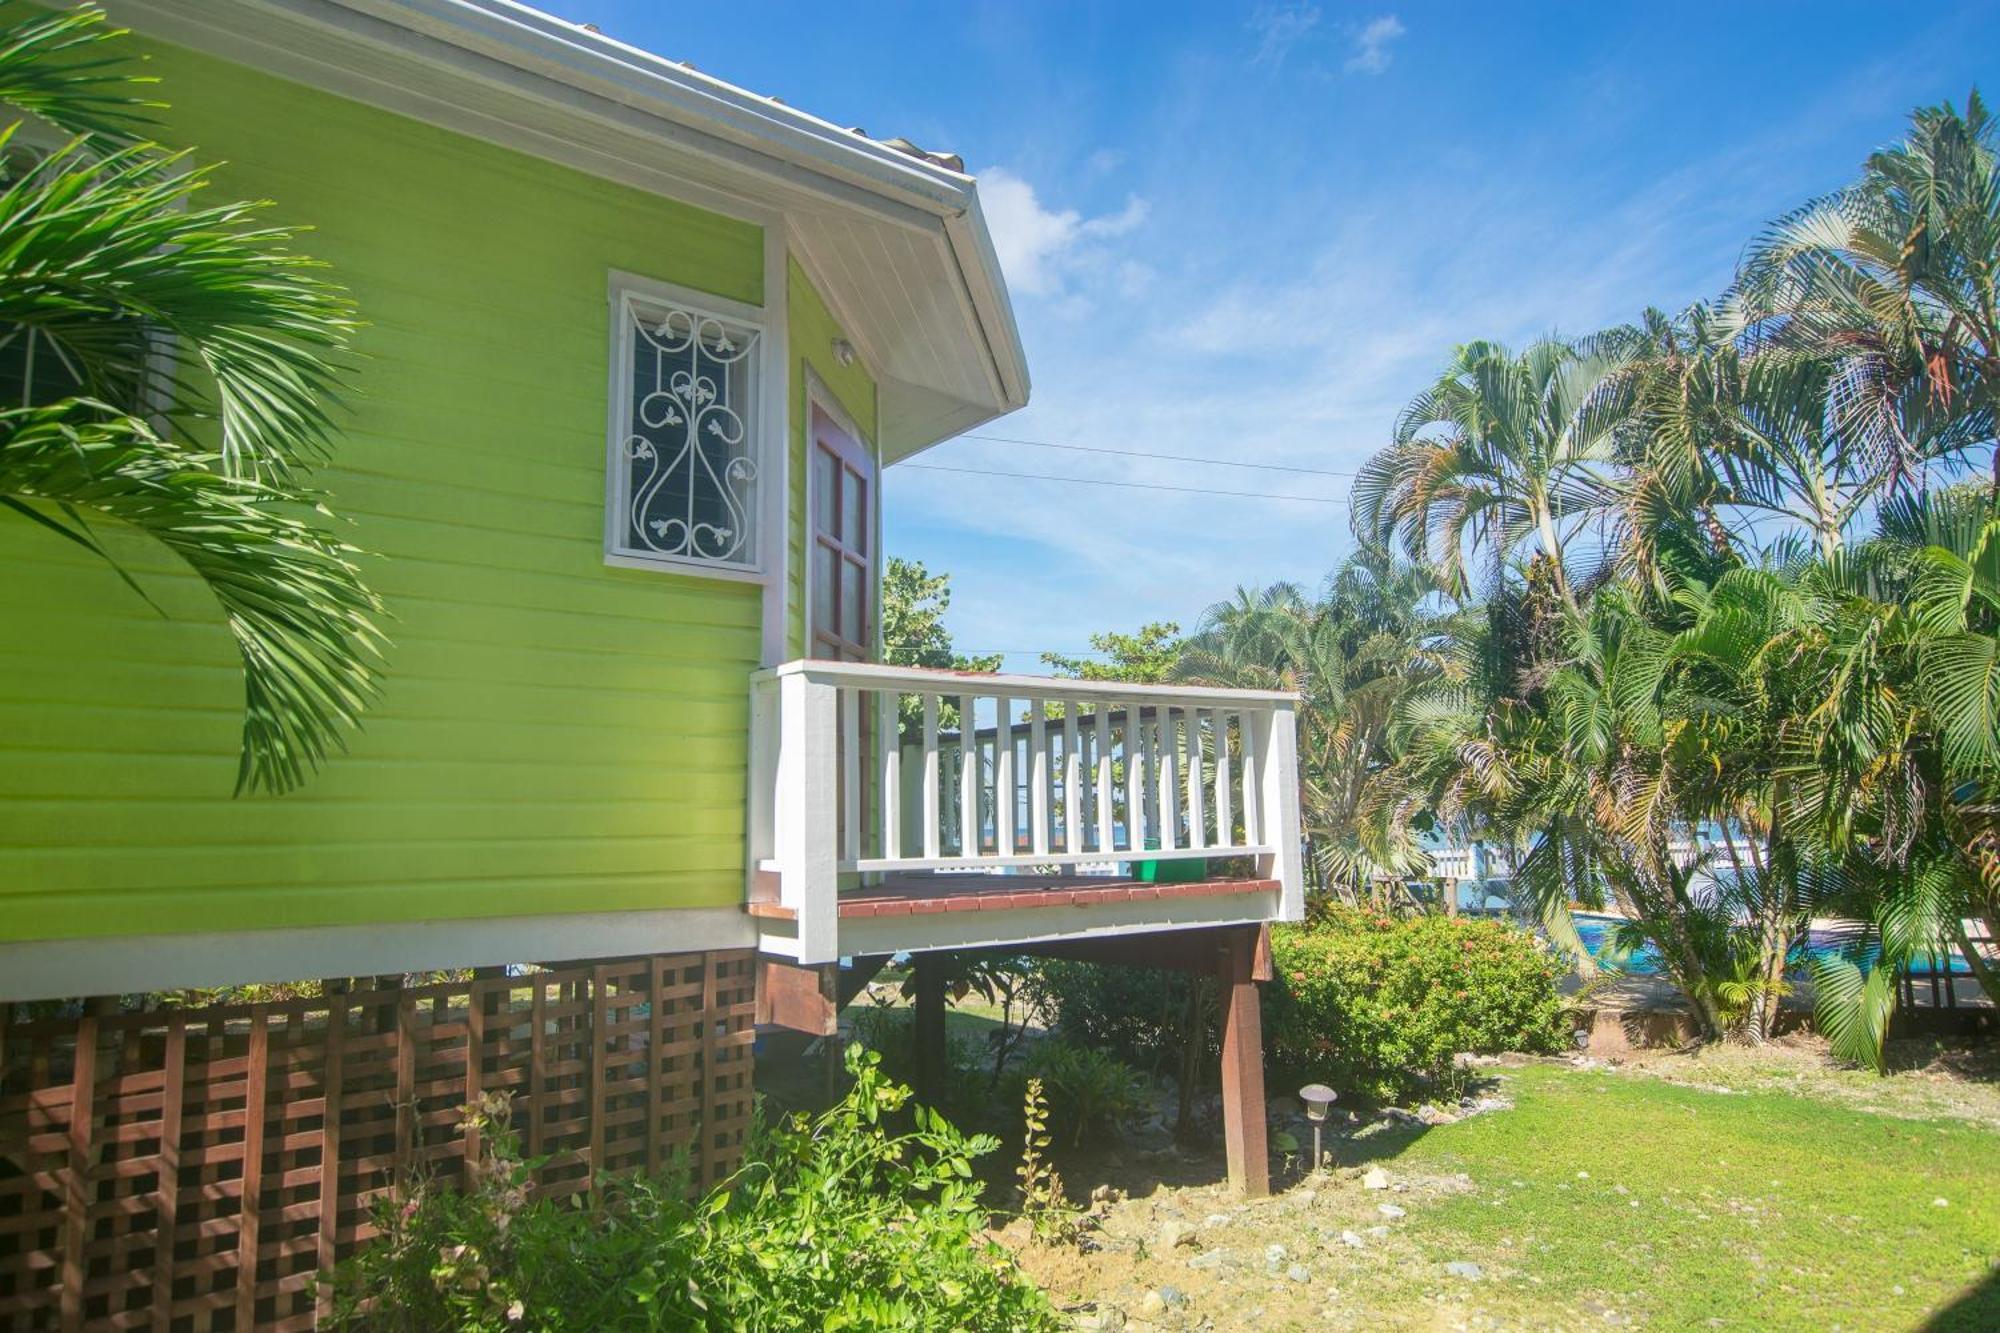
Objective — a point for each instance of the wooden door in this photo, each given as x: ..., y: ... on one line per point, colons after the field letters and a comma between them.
x: 840, y: 619
x: 841, y: 622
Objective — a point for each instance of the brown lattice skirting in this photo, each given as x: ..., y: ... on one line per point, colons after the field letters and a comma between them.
x: 194, y: 1169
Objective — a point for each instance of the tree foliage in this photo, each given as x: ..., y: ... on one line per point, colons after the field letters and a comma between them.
x: 169, y: 366
x: 1743, y: 581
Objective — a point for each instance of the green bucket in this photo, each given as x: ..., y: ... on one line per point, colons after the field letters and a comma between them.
x: 1180, y: 870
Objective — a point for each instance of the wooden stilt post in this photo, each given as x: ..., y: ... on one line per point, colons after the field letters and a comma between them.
x: 1242, y: 1065
x: 929, y: 1029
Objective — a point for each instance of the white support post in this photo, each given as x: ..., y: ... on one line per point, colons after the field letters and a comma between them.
x: 888, y: 732
x: 1277, y: 801
x: 931, y: 776
x: 1103, y: 737
x: 968, y: 775
x: 1040, y: 779
x: 1135, y: 781
x: 1072, y: 801
x: 1168, y: 748
x: 1005, y: 839
x: 851, y: 770
x: 763, y: 800
x: 1225, y: 813
x: 807, y: 842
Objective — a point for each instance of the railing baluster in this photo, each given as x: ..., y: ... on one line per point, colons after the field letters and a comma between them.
x: 1005, y: 839
x: 968, y: 775
x: 1149, y: 752
x: 1101, y: 752
x: 888, y: 734
x: 1225, y: 815
x: 1197, y: 796
x: 1253, y: 819
x: 931, y: 776
x: 1135, y: 780
x: 1168, y: 748
x: 1072, y: 818
x: 1040, y: 777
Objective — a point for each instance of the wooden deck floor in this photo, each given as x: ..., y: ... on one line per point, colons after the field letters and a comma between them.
x: 915, y: 895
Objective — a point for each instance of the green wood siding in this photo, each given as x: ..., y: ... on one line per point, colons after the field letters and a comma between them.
x: 812, y: 330
x: 554, y: 735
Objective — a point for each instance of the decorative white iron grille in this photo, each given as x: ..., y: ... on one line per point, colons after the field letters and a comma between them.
x: 689, y: 469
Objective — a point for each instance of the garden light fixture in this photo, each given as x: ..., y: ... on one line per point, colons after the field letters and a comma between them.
x: 1319, y: 1101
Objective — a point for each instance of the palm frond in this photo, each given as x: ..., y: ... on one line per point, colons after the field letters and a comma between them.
x: 303, y: 621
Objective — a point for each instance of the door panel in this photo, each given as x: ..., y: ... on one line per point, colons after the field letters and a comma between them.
x: 843, y: 530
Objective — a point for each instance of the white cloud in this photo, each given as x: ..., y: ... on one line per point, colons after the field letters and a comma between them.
x: 1371, y: 45
x: 1050, y: 252
x: 1279, y: 28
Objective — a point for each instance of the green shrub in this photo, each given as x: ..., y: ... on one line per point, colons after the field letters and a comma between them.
x: 1379, y: 1006
x: 1090, y: 1094
x: 834, y: 1221
x: 891, y: 1032
x: 1138, y: 1014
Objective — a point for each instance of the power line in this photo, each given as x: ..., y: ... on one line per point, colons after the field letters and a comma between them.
x: 1129, y: 485
x: 1165, y: 458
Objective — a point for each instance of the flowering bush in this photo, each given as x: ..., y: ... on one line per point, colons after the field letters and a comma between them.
x: 1380, y: 1005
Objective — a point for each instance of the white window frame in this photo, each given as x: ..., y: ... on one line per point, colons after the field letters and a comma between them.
x: 764, y: 446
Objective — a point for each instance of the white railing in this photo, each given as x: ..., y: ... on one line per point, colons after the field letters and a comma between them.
x: 1451, y: 862
x: 859, y: 770
x: 1495, y: 862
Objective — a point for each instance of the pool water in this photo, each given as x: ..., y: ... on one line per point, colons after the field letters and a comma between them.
x: 1596, y: 931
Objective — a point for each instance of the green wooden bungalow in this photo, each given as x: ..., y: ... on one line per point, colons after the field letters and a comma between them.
x: 641, y: 350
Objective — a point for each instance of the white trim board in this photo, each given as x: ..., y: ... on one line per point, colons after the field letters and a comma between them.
x: 1027, y: 925
x: 123, y: 964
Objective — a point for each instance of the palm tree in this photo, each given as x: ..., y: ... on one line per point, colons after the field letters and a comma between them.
x: 1892, y: 280
x: 1495, y: 454
x: 1348, y: 654
x: 1738, y: 445
x: 169, y: 365
x: 1893, y: 753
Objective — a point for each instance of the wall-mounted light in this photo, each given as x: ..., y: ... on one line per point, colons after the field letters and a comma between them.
x: 843, y: 351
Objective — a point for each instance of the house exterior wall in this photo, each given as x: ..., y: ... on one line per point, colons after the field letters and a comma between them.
x: 554, y: 735
x: 813, y: 333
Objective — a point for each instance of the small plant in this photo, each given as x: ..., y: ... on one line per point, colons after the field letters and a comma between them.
x: 1053, y: 1218
x: 1091, y: 1093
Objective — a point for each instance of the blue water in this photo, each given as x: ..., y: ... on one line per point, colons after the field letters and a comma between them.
x: 1597, y: 930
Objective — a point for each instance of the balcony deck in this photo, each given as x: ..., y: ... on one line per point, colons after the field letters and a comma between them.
x: 919, y: 894
x: 898, y: 809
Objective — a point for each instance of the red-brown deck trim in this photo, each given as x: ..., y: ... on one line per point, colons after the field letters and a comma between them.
x: 993, y: 893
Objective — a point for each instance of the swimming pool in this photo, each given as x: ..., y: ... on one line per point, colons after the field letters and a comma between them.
x: 1596, y: 930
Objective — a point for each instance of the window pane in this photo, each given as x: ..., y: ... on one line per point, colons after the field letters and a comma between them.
x: 826, y: 575
x: 691, y: 469
x: 854, y: 511
x: 826, y: 490
x: 854, y: 602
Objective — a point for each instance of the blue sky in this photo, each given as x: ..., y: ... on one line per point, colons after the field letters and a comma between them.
x: 1252, y: 232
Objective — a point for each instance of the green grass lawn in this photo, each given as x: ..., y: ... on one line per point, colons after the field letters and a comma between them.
x: 1689, y: 1207
x: 1748, y: 1191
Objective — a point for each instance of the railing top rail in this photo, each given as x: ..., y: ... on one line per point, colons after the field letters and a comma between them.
x: 874, y: 675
